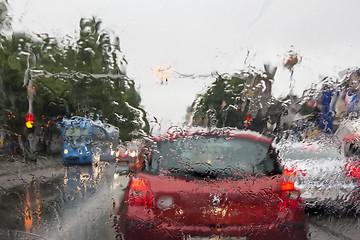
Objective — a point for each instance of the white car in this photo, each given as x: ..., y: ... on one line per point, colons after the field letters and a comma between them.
x: 320, y: 171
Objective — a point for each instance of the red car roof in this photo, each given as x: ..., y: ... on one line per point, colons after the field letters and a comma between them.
x: 176, y: 132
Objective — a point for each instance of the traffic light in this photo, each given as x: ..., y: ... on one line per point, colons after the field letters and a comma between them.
x: 29, y: 120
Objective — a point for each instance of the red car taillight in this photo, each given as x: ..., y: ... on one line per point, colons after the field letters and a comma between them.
x: 140, y: 193
x: 290, y: 196
x: 352, y: 169
x: 288, y: 190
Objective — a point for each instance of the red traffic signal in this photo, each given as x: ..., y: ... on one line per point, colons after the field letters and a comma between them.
x: 29, y: 117
x: 29, y: 120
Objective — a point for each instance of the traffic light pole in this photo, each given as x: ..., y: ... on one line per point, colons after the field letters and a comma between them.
x: 30, y: 88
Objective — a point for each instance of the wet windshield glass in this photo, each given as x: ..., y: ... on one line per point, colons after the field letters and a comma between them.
x: 85, y: 85
x: 213, y: 157
x: 77, y: 141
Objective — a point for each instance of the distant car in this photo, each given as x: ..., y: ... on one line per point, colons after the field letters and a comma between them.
x: 127, y: 156
x: 107, y: 153
x: 122, y: 160
x: 324, y: 175
x: 223, y: 184
x: 349, y: 133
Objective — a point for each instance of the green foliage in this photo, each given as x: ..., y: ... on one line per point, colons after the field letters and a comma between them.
x: 13, y: 101
x: 74, y: 77
x: 232, y: 101
x: 222, y: 99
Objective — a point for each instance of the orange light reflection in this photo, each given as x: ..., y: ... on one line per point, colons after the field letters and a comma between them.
x: 28, y: 212
x: 31, y: 209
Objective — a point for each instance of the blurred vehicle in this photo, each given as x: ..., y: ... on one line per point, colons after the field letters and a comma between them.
x: 122, y: 160
x: 349, y: 133
x: 78, y: 133
x: 321, y: 171
x: 106, y: 152
x: 127, y: 156
x: 223, y: 184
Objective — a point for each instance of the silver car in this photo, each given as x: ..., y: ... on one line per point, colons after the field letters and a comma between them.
x: 320, y: 171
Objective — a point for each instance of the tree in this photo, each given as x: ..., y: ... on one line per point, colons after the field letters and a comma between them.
x: 61, y: 79
x: 13, y: 103
x: 91, y: 81
x: 240, y: 100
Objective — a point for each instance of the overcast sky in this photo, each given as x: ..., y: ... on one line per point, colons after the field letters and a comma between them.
x: 203, y: 36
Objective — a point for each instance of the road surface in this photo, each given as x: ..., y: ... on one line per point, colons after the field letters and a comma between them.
x: 47, y: 200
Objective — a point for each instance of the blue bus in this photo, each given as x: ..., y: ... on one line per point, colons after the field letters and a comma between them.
x: 78, y: 134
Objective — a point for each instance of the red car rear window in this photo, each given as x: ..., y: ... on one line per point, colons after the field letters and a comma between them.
x: 205, y: 156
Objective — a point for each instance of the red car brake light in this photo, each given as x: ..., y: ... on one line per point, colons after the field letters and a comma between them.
x: 289, y: 191
x: 352, y: 169
x: 140, y: 193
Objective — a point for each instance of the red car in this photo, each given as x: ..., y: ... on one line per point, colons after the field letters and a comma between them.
x: 210, y: 185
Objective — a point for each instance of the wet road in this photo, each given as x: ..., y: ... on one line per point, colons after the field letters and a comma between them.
x: 77, y: 202
x: 74, y: 203
x: 334, y: 227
